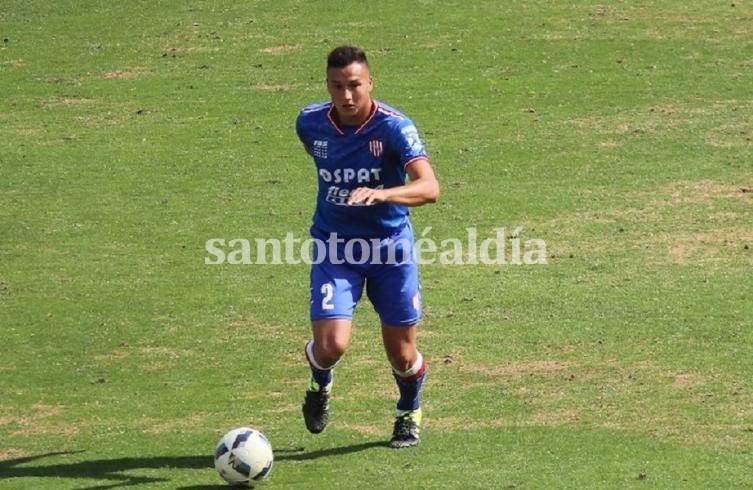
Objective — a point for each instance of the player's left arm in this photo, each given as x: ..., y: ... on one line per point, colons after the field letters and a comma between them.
x: 422, y: 188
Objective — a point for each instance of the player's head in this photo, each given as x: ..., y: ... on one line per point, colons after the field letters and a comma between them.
x: 343, y: 56
x: 349, y: 84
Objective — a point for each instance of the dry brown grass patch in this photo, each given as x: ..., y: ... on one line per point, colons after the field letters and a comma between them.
x: 181, y: 424
x: 684, y: 381
x: 17, y: 63
x: 183, y: 50
x: 114, y: 355
x: 512, y: 370
x: 65, y: 102
x: 669, y: 207
x: 283, y: 49
x: 40, y: 421
x: 270, y: 87
x: 363, y: 429
x: 12, y: 453
x: 555, y: 418
x: 162, y: 351
x: 698, y: 192
x: 643, y: 397
x: 188, y: 423
x: 464, y: 423
x: 261, y: 330
x: 696, y: 247
x: 123, y: 74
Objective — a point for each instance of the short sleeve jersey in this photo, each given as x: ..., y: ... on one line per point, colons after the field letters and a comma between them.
x: 375, y: 155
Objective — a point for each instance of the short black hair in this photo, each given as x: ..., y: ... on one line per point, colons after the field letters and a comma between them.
x: 342, y: 56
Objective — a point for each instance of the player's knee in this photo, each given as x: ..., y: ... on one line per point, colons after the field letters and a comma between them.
x: 329, y: 352
x: 402, y: 360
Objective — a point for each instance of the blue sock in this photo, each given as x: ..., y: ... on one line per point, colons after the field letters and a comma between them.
x: 410, y: 393
x: 410, y: 386
x: 321, y: 377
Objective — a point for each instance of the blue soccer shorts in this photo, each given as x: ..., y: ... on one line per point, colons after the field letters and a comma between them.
x: 386, y: 268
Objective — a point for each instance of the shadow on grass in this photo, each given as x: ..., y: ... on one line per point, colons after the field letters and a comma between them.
x: 300, y: 454
x: 113, y: 470
x: 99, y: 469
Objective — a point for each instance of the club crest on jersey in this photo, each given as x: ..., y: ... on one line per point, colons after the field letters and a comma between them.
x: 376, y: 148
x: 319, y: 149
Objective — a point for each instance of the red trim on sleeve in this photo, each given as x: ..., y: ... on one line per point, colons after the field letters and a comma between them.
x: 412, y: 160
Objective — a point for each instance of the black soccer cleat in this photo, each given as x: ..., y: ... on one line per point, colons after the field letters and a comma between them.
x: 406, y: 430
x: 316, y: 410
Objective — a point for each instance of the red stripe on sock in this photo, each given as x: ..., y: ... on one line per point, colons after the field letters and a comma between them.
x: 421, y: 371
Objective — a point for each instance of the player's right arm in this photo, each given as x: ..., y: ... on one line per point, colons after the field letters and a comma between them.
x: 300, y: 131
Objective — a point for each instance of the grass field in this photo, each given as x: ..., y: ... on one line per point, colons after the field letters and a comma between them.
x: 620, y: 133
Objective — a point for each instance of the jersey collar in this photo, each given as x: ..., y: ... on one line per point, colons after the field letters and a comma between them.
x: 332, y: 116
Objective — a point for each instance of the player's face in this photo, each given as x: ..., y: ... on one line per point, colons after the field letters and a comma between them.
x: 350, y: 89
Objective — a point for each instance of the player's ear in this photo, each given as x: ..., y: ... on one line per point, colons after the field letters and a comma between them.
x: 371, y: 83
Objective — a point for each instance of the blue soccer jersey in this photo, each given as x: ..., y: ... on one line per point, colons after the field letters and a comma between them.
x: 374, y: 155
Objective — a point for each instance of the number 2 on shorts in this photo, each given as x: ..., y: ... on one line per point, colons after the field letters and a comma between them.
x: 328, y: 292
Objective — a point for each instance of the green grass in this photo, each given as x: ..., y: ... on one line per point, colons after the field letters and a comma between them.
x: 133, y: 132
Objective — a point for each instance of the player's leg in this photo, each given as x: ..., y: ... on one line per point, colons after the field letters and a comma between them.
x: 408, y: 365
x: 409, y: 371
x: 394, y: 291
x: 335, y: 291
x: 330, y: 340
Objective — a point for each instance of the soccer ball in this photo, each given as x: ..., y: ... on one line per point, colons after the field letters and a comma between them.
x: 243, y: 457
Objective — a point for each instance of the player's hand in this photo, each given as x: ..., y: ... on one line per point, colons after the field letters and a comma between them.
x: 366, y: 196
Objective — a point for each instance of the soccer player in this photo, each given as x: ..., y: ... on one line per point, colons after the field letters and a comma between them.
x: 372, y: 167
